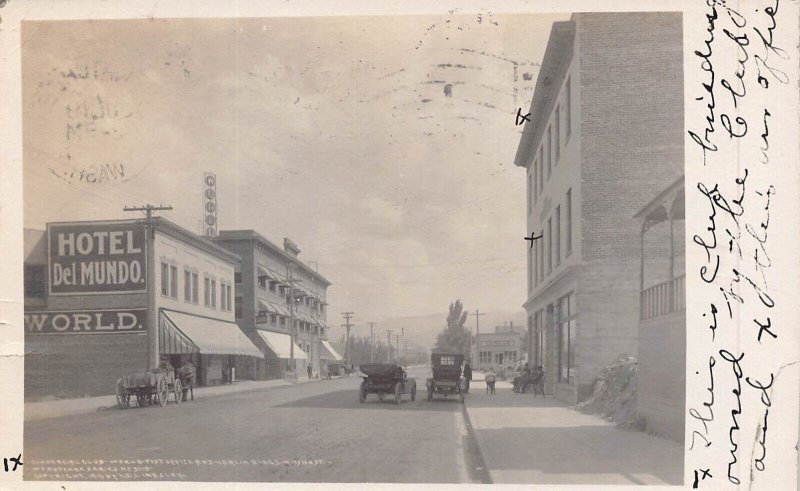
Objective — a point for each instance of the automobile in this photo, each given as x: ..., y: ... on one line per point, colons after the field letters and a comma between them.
x: 446, y: 379
x: 385, y: 379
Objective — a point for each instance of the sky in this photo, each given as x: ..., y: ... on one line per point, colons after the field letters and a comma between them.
x: 382, y: 146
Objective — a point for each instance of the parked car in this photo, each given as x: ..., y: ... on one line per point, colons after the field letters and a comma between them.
x: 446, y: 377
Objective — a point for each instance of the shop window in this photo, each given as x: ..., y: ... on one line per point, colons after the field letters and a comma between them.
x: 34, y: 280
x: 566, y: 339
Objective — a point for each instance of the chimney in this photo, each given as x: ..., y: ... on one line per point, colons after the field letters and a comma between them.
x: 290, y: 247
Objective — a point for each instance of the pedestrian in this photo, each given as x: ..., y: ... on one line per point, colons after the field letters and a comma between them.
x: 467, y: 375
x: 491, y: 378
x: 308, y: 369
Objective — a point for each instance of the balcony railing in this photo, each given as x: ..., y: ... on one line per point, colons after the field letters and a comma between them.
x: 663, y: 299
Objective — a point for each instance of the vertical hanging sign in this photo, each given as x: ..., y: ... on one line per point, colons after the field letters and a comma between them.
x: 209, y: 204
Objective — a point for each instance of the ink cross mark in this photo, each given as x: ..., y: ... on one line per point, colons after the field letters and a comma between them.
x: 17, y: 461
x: 520, y: 118
x: 698, y: 478
x: 532, y: 238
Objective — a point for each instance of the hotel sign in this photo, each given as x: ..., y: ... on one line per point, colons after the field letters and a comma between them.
x: 119, y: 321
x: 96, y: 258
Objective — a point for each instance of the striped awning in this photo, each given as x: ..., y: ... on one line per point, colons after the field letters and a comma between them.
x: 171, y: 340
x: 212, y: 336
x: 332, y: 352
x: 280, y: 344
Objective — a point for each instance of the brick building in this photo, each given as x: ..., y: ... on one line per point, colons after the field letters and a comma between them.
x: 604, y: 136
x: 87, y: 299
x: 263, y: 309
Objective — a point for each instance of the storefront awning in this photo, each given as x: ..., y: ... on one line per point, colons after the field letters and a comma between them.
x: 334, y: 355
x: 213, y: 336
x: 280, y: 344
x: 171, y: 341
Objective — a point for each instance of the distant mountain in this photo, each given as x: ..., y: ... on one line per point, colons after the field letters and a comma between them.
x: 422, y: 330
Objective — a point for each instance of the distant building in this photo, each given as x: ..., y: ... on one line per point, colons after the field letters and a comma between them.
x: 661, y: 376
x: 86, y: 303
x: 264, y: 310
x: 605, y: 135
x: 499, y: 349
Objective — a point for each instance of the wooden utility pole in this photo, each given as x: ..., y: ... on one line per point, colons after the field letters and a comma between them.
x: 153, y: 355
x: 397, y: 350
x: 478, y: 315
x: 388, y: 346
x: 291, y: 280
x: 347, y: 325
x: 371, y: 343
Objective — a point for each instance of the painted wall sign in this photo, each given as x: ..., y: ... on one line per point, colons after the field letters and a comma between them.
x: 118, y: 321
x: 96, y: 258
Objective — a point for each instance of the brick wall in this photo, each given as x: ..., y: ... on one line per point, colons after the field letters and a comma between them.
x: 631, y: 102
x: 661, y: 379
x: 65, y: 366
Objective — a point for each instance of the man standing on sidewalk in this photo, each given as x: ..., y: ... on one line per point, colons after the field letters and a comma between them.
x: 467, y: 375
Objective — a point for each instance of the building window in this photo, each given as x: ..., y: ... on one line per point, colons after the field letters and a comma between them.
x: 173, y: 276
x: 237, y: 277
x: 207, y: 291
x: 541, y: 255
x: 534, y: 172
x: 187, y: 286
x: 549, y: 150
x: 558, y: 134
x: 569, y: 222
x: 225, y: 297
x: 541, y: 170
x: 568, y: 108
x: 283, y: 321
x: 535, y: 265
x: 34, y: 280
x: 558, y: 235
x: 540, y: 338
x: 530, y: 269
x: 238, y: 308
x: 566, y: 339
x: 262, y: 282
x: 530, y: 193
x: 213, y: 294
x: 195, y: 288
x: 549, y: 245
x: 165, y: 279
x: 272, y: 286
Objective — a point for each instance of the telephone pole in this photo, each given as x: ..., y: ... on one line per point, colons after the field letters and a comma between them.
x: 371, y: 342
x: 347, y: 316
x: 403, y: 333
x: 153, y: 354
x: 478, y: 315
x: 291, y: 280
x: 397, y: 350
x: 388, y: 346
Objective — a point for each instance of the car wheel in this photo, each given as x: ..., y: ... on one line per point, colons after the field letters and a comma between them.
x: 414, y: 392
x: 362, y: 393
x: 430, y: 395
x: 398, y: 393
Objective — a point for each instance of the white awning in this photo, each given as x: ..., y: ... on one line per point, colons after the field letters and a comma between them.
x: 328, y: 347
x: 213, y: 336
x: 280, y: 344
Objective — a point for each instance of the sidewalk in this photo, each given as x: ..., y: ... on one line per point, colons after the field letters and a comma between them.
x: 70, y: 407
x: 527, y: 440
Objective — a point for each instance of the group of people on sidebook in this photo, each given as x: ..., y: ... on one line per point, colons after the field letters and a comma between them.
x: 525, y: 381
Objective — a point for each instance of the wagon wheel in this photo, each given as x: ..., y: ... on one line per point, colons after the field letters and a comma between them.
x: 162, y: 392
x: 141, y: 399
x: 398, y: 393
x: 178, y: 391
x: 414, y: 391
x: 362, y: 393
x: 123, y: 398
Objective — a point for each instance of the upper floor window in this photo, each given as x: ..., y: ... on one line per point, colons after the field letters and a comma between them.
x: 558, y: 134
x: 569, y: 221
x: 214, y: 294
x: 549, y: 150
x: 169, y: 280
x: 237, y: 277
x: 568, y: 108
x: 541, y: 170
x: 207, y: 291
x: 558, y: 235
x: 530, y: 192
x: 34, y: 280
x: 549, y: 245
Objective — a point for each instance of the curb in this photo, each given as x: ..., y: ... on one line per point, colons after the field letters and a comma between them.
x: 476, y: 466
